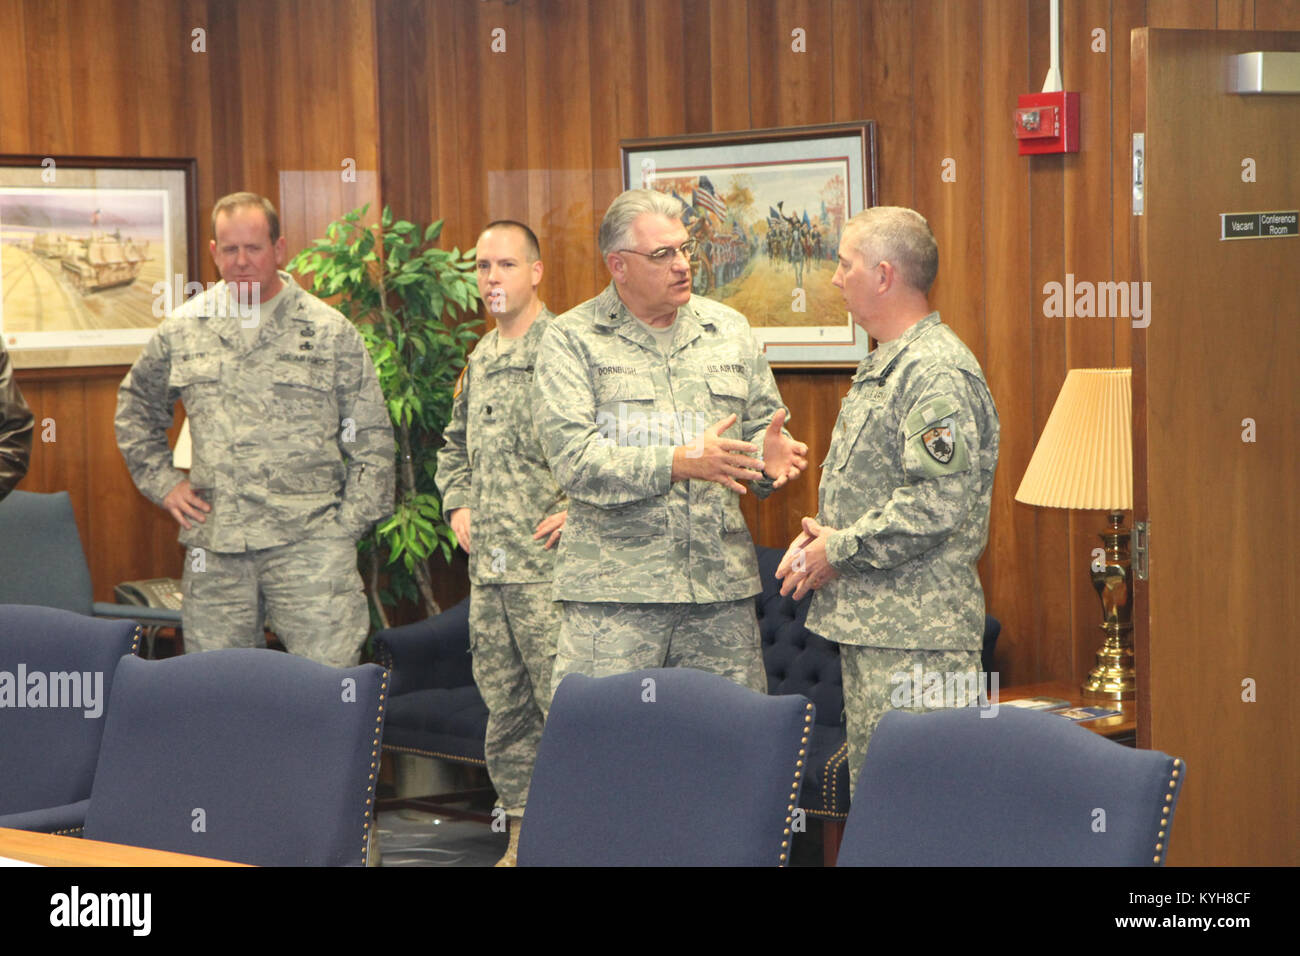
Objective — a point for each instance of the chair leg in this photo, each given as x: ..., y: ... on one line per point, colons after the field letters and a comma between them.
x: 832, y: 833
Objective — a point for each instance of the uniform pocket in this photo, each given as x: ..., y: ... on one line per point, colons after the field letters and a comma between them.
x: 301, y: 385
x: 625, y: 412
x: 728, y: 394
x: 640, y: 519
x: 854, y: 428
x: 197, y: 380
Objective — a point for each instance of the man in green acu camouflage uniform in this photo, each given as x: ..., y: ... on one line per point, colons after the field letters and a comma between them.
x: 292, y: 448
x: 905, y: 490
x: 507, y: 512
x: 635, y: 390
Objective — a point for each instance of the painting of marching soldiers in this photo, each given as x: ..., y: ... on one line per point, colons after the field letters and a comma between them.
x: 73, y: 260
x: 765, y: 232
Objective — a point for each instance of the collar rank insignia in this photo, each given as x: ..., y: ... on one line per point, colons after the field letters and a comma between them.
x: 938, y: 441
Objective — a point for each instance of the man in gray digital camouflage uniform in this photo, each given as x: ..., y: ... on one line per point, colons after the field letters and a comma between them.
x: 636, y: 390
x: 903, y: 508
x: 292, y: 448
x: 507, y: 512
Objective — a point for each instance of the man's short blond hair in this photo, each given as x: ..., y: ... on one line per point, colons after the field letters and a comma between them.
x: 899, y: 236
x: 234, y: 201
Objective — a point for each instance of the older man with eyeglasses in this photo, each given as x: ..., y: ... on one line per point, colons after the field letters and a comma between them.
x: 654, y: 407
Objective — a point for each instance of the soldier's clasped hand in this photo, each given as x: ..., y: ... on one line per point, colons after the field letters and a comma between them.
x: 805, y: 567
x: 713, y: 458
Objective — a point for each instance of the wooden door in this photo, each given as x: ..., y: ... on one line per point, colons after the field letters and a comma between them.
x: 1219, y: 365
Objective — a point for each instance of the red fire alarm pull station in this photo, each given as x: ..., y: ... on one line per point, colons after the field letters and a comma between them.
x: 1048, y: 123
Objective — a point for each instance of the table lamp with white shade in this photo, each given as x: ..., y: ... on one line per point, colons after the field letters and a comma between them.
x: 1084, y: 460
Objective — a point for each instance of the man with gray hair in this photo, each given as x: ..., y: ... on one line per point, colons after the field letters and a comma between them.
x: 903, y: 504
x: 653, y: 405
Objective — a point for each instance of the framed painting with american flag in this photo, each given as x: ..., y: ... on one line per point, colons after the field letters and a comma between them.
x: 766, y: 208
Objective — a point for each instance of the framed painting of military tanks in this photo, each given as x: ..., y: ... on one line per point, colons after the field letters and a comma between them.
x: 767, y: 208
x: 93, y: 253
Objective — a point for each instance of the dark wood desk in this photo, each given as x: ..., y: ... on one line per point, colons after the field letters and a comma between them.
x: 1121, y: 729
x: 46, y: 849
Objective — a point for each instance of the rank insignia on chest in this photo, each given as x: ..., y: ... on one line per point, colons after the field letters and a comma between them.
x: 938, y: 441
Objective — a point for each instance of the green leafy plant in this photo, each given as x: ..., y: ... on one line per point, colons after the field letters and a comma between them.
x: 400, y: 290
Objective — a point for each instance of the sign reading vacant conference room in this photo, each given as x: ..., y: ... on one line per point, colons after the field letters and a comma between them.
x: 1258, y: 225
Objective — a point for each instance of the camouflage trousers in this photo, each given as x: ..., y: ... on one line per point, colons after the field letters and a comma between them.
x: 308, y: 592
x: 880, y: 679
x: 599, y: 639
x: 512, y: 634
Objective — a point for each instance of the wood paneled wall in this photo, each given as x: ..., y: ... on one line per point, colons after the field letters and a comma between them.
x: 412, y: 88
x: 532, y: 132
x: 274, y: 97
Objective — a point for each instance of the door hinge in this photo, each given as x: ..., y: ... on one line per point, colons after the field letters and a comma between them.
x: 1139, y: 171
x: 1141, y: 549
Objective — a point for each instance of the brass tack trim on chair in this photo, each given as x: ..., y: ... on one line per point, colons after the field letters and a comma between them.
x: 374, y: 758
x: 1164, y: 810
x: 832, y: 765
x: 798, y: 774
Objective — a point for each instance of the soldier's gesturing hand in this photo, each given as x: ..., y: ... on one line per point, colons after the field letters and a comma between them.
x: 784, y: 459
x: 183, y: 503
x: 550, y: 528
x: 713, y: 458
x: 459, y: 521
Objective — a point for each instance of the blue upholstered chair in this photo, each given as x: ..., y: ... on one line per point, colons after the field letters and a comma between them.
x: 241, y: 754
x: 42, y: 561
x: 1018, y: 788
x: 665, y: 767
x: 48, y: 752
x: 435, y: 709
x: 801, y: 662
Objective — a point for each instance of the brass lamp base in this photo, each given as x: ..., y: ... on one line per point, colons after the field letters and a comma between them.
x: 1114, y: 677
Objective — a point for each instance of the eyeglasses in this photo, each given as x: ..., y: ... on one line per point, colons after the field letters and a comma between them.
x: 665, y: 255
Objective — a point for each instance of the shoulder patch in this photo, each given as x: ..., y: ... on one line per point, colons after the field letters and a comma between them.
x: 933, y: 434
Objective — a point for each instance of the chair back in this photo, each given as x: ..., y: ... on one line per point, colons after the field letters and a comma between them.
x: 56, y: 675
x: 665, y: 767
x: 41, y: 561
x: 249, y: 755
x: 1007, y: 787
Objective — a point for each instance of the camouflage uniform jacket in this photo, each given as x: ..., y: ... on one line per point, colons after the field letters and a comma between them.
x: 908, y: 481
x: 291, y: 435
x: 610, y: 410
x: 493, y: 464
x: 16, y: 425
